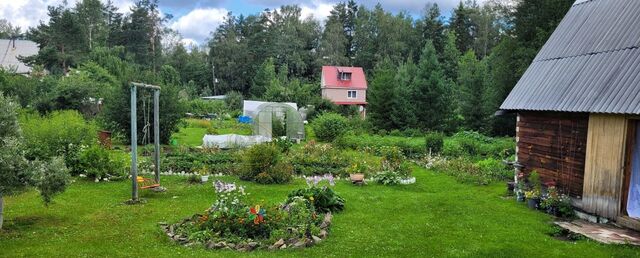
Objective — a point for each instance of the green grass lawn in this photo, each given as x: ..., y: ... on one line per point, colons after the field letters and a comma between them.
x: 195, y: 129
x: 435, y: 217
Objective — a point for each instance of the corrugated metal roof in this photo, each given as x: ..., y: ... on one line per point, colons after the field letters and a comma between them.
x: 591, y: 63
x: 9, y: 53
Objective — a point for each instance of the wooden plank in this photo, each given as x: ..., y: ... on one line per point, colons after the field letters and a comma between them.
x: 602, y: 233
x: 554, y: 145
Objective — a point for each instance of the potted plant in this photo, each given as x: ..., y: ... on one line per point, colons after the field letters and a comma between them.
x: 533, y: 198
x: 204, y: 174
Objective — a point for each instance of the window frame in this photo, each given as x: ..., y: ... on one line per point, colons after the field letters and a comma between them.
x: 355, y: 94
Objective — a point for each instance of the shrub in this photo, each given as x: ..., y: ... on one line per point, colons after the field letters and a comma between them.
x: 190, y: 160
x: 54, y: 178
x: 434, y: 142
x: 234, y: 100
x: 387, y: 178
x: 59, y: 133
x: 262, y: 163
x: 329, y: 126
x: 116, y: 111
x: 473, y: 144
x: 98, y: 163
x: 396, y: 132
x: 412, y: 132
x: 481, y: 172
x: 323, y: 199
x: 319, y: 159
x: 202, y: 107
x: 411, y: 147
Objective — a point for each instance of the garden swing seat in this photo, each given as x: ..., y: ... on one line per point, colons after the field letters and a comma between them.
x: 147, y: 183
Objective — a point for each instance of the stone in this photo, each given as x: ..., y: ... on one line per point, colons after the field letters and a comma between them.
x: 316, y: 239
x: 283, y: 246
x: 252, y: 245
x: 279, y: 243
x: 323, y: 234
x: 231, y: 245
x: 300, y: 244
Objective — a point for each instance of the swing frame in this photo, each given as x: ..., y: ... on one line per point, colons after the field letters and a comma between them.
x: 134, y: 137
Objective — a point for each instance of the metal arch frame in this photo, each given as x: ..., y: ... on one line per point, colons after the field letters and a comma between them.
x: 134, y: 135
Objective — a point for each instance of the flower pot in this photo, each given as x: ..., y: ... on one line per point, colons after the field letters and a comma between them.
x: 533, y: 203
x: 204, y: 179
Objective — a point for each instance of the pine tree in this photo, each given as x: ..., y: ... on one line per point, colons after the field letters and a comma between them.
x: 461, y: 25
x: 431, y: 27
x: 403, y: 110
x: 381, y: 95
x: 333, y: 45
x: 265, y: 75
x: 471, y: 75
x: 431, y: 92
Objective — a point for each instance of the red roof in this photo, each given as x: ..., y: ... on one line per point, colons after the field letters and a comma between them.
x: 330, y: 78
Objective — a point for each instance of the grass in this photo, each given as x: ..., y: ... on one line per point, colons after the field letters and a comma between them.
x: 435, y: 217
x: 195, y: 129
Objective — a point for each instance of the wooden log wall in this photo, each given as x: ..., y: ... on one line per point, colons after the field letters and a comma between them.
x: 554, y: 145
x: 605, y: 162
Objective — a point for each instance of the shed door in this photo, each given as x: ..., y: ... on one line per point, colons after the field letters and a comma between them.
x: 633, y: 198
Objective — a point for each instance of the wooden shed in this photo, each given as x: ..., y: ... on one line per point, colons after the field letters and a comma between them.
x: 578, y: 109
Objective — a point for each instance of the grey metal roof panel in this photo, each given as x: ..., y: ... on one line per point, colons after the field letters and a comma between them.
x: 591, y: 63
x: 9, y: 53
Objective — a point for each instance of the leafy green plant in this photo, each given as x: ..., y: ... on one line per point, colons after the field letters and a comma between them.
x: 434, y: 142
x: 387, y: 178
x: 95, y: 162
x: 323, y: 199
x: 59, y: 133
x: 319, y: 159
x: 262, y: 163
x: 329, y: 126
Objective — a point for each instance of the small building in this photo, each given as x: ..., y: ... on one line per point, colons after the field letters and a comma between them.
x: 11, y: 49
x: 578, y: 110
x: 345, y: 86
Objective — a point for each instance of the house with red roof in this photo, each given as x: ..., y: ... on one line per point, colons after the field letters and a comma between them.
x: 345, y: 86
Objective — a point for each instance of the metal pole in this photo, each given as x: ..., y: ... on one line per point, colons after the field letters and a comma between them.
x: 134, y: 146
x: 156, y: 132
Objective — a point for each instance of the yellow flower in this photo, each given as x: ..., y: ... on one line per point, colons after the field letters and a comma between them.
x: 311, y: 198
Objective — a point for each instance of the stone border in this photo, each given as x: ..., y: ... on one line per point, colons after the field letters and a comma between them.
x: 169, y: 230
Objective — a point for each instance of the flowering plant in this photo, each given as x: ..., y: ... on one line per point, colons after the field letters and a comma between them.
x: 315, y: 180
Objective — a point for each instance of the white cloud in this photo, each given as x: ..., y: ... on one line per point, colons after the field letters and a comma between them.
x: 29, y: 13
x: 316, y: 9
x: 196, y: 25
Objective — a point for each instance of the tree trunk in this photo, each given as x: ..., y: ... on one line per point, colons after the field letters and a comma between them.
x: 1, y: 210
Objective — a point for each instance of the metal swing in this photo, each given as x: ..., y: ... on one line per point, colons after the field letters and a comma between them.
x: 139, y: 182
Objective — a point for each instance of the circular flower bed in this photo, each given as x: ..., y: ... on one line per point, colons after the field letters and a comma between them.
x: 230, y: 223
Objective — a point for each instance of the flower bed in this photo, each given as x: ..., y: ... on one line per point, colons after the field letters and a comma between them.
x: 230, y: 223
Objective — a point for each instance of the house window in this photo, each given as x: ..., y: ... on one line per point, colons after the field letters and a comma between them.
x: 352, y: 94
x: 345, y: 76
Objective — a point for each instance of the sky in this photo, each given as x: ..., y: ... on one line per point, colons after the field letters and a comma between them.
x: 195, y: 19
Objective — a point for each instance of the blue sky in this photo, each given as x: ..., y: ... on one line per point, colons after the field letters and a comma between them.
x: 195, y: 19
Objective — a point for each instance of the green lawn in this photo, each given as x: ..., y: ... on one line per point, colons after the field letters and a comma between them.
x: 195, y: 129
x: 435, y: 217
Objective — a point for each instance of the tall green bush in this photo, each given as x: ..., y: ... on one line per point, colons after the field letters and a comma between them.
x: 59, y: 133
x: 329, y: 126
x: 262, y: 163
x: 434, y: 142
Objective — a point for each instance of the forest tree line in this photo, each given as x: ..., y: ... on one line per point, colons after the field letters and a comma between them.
x: 444, y: 72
